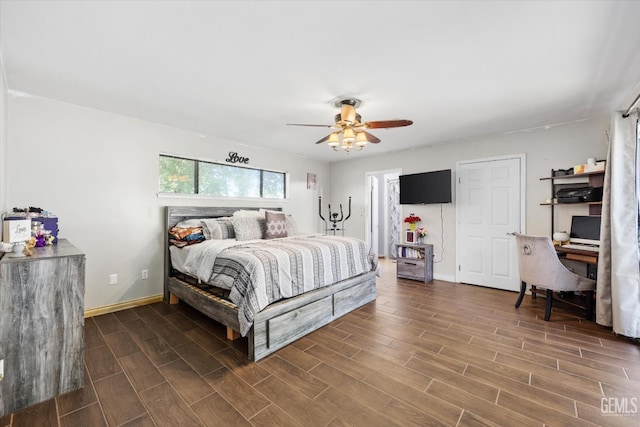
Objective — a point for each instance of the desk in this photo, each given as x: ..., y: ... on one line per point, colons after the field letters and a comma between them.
x: 587, y: 257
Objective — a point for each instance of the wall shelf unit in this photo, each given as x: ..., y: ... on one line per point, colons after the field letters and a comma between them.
x: 558, y: 180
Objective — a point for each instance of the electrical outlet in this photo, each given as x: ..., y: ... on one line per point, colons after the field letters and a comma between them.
x: 113, y: 279
x: 145, y: 274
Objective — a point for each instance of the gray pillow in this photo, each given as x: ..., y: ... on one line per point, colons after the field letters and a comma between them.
x: 226, y: 227
x: 211, y: 228
x: 248, y: 228
x: 275, y: 225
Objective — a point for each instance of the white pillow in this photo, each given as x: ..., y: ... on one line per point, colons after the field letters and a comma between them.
x: 248, y: 228
x: 190, y: 223
x: 247, y: 213
x: 291, y: 226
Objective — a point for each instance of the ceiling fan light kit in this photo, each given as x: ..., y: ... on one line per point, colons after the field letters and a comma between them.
x: 348, y: 139
x: 350, y: 132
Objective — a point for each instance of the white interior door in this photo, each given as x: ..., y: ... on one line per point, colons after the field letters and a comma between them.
x: 372, y: 214
x: 490, y: 206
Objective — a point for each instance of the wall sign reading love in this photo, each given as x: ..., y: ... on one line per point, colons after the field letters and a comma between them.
x: 234, y: 158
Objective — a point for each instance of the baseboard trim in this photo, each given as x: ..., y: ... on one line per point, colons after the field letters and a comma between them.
x: 122, y: 306
x: 445, y: 277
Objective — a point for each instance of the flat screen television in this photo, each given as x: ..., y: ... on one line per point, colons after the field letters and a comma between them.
x: 425, y: 188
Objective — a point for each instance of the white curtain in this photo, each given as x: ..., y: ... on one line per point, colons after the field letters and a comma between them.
x: 393, y: 201
x: 618, y: 288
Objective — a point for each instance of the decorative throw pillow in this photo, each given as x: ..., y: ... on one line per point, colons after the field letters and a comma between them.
x: 211, y: 228
x: 248, y: 228
x: 275, y: 224
x: 263, y: 210
x: 226, y: 227
x: 292, y: 227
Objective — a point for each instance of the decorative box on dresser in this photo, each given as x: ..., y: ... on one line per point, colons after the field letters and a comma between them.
x: 415, y: 261
x: 41, y: 325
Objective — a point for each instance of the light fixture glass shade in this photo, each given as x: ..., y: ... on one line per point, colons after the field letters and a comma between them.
x: 361, y: 139
x: 347, y: 140
x: 348, y: 136
x: 334, y: 140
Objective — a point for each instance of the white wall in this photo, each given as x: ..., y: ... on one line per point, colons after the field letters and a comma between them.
x: 556, y: 147
x: 99, y: 173
x: 3, y: 138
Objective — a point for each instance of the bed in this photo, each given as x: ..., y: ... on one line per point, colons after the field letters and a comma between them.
x: 318, y: 278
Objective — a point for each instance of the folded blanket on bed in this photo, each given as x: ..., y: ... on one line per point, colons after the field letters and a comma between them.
x: 259, y: 272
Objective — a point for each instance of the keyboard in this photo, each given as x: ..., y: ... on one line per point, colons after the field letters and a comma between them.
x: 582, y: 247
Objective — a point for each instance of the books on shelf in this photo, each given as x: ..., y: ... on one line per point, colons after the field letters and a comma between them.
x: 405, y: 252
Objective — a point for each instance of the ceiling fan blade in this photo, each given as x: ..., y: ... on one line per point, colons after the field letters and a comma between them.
x: 371, y: 138
x: 387, y: 124
x: 326, y: 138
x: 317, y: 126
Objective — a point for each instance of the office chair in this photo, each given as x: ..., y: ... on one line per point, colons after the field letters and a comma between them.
x: 539, y: 266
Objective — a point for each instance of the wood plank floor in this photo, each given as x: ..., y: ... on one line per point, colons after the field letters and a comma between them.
x: 421, y: 354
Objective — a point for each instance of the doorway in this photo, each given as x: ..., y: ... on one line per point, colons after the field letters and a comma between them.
x: 382, y: 216
x: 490, y: 207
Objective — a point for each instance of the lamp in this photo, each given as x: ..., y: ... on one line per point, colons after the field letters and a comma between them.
x: 361, y: 139
x: 347, y: 139
x: 334, y: 140
x: 348, y: 136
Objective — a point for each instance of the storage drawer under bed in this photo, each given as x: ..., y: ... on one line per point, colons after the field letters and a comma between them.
x: 297, y: 323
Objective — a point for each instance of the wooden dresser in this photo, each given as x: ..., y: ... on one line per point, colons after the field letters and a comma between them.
x: 41, y: 325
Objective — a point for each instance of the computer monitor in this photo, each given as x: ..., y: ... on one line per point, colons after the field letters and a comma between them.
x: 585, y: 229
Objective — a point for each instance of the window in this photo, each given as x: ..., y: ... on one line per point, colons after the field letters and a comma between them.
x: 191, y: 176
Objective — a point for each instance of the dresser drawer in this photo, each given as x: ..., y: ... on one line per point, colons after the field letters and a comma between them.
x: 411, y: 268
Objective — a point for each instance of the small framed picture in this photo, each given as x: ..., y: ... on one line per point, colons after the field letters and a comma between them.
x: 16, y: 230
x: 311, y: 181
x: 410, y: 236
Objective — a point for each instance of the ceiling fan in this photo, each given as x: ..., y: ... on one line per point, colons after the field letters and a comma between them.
x: 350, y: 132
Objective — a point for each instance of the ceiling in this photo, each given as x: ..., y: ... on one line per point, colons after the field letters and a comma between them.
x: 241, y: 70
